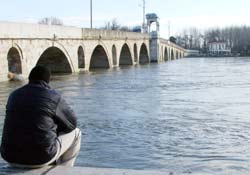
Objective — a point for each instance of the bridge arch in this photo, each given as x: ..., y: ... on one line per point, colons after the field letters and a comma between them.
x: 143, y: 58
x: 114, y: 55
x: 135, y: 53
x: 81, y: 57
x: 161, y: 54
x: 14, y: 58
x: 177, y: 55
x: 56, y: 60
x: 99, y: 58
x: 125, y: 56
x: 172, y: 54
x: 166, y: 54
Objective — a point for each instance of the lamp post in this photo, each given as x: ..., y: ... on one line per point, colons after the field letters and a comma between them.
x: 91, y: 14
x: 143, y: 11
x: 143, y: 23
x: 169, y: 32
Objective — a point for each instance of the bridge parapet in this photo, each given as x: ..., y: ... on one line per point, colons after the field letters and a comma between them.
x: 167, y: 42
x: 110, y: 34
x: 9, y: 30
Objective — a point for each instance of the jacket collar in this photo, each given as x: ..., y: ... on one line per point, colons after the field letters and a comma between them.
x: 40, y: 83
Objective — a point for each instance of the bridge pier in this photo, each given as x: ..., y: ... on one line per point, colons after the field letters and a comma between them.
x: 154, y: 50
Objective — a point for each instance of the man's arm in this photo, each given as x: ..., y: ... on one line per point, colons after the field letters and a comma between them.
x: 65, y: 117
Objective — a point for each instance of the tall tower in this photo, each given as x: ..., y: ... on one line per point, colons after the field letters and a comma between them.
x: 154, y: 41
x: 152, y: 18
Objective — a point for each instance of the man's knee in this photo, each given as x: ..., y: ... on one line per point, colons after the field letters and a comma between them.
x: 78, y: 133
x: 77, y: 140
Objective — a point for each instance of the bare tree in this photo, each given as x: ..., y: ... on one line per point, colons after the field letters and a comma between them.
x: 51, y: 21
x: 114, y: 25
x: 125, y: 29
x: 190, y: 38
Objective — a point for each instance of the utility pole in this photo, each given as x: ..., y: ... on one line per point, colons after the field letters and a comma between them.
x: 143, y: 17
x: 91, y: 14
x: 169, y: 29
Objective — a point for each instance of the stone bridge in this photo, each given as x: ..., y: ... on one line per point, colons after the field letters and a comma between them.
x: 70, y: 49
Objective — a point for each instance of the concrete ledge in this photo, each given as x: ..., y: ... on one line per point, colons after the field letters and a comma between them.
x: 5, y: 169
x: 63, y: 170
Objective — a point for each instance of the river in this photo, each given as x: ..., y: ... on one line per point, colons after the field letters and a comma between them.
x: 186, y: 116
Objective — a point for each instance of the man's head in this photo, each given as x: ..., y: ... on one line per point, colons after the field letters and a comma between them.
x: 40, y: 73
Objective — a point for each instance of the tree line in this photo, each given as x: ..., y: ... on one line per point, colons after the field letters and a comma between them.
x: 236, y: 37
x: 110, y: 25
x: 51, y: 21
x: 114, y: 25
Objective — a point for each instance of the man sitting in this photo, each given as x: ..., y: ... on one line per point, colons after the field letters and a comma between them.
x: 39, y: 127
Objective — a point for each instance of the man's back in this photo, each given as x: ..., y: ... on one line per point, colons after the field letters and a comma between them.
x: 39, y: 127
x: 30, y: 129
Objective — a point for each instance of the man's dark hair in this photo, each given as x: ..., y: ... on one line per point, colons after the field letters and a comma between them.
x: 40, y: 73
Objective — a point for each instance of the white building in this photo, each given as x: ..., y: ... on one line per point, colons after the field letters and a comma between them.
x: 219, y: 48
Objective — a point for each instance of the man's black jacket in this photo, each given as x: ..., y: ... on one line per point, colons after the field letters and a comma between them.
x: 35, y: 115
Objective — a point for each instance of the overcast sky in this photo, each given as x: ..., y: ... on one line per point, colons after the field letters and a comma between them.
x: 180, y: 14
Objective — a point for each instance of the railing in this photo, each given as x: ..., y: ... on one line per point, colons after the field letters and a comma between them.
x: 25, y: 30
x: 165, y: 41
